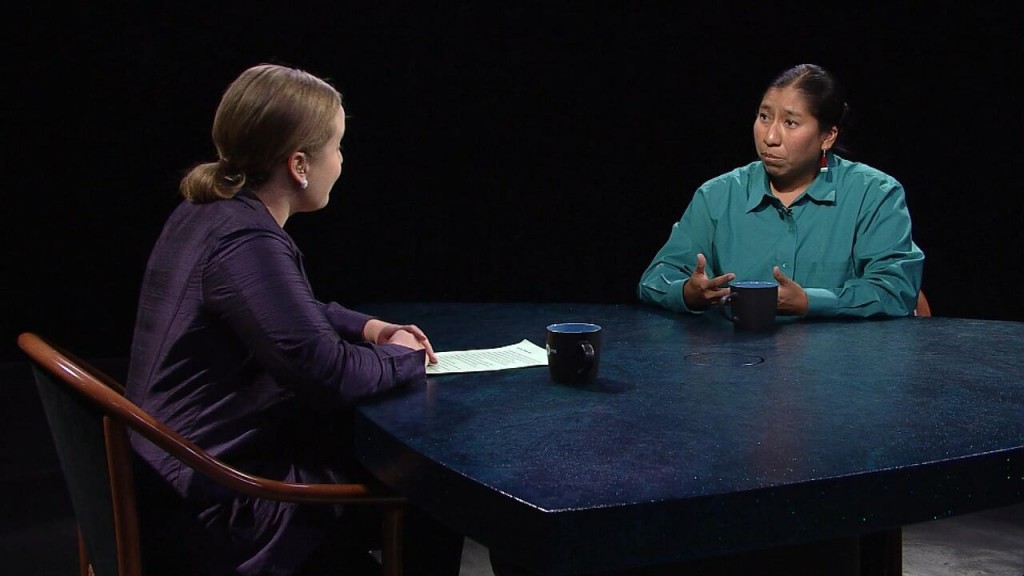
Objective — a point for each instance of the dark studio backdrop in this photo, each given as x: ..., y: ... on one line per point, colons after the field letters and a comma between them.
x: 495, y: 151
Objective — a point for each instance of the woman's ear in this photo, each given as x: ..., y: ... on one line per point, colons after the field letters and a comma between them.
x: 830, y: 137
x: 297, y: 166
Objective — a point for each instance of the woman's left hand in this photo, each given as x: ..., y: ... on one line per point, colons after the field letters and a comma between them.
x: 792, y: 298
x: 380, y: 332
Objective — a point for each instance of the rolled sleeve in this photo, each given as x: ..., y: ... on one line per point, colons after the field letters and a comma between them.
x: 821, y: 302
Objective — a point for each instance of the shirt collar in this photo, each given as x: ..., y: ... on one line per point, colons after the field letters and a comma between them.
x: 821, y: 191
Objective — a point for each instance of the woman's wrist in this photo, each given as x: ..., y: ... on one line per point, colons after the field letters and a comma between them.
x: 371, y: 330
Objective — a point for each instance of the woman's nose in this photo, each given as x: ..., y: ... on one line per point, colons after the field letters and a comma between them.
x: 771, y: 136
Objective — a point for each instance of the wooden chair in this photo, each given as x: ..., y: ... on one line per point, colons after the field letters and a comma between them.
x: 89, y: 418
x: 923, y: 310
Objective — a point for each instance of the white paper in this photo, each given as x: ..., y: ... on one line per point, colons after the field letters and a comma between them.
x: 519, y: 355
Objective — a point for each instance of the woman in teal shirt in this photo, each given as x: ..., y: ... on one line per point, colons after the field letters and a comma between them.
x: 834, y: 234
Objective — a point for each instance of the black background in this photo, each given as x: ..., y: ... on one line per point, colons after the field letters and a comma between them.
x: 495, y: 151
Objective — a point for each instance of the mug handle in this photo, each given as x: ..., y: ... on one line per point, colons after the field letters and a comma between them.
x: 723, y: 302
x: 588, y: 353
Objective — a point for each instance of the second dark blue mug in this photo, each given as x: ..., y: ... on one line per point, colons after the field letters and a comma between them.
x: 751, y: 305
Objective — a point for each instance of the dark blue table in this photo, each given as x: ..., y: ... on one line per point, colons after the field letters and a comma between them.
x: 698, y: 441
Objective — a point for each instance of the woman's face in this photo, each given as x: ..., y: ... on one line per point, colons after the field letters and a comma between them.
x: 324, y: 167
x: 788, y: 138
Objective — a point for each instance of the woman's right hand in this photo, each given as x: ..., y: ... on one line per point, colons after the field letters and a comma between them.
x: 380, y: 332
x: 409, y: 340
x: 699, y: 291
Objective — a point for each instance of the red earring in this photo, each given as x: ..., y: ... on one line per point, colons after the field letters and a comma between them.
x: 824, y: 161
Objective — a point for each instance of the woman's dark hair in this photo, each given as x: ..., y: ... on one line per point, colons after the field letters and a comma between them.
x: 823, y: 93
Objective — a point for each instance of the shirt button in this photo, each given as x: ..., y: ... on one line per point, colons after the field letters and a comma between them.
x: 785, y: 265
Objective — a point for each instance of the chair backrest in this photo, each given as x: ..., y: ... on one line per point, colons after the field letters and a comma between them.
x: 95, y: 458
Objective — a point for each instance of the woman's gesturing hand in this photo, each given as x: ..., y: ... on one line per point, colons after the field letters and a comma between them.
x: 699, y: 291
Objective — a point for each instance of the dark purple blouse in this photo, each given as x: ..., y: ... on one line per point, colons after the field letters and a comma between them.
x: 232, y: 350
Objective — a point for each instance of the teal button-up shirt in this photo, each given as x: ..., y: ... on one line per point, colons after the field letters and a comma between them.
x: 846, y: 240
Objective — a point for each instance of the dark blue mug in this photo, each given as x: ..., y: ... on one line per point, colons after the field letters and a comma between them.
x: 574, y: 352
x: 751, y: 305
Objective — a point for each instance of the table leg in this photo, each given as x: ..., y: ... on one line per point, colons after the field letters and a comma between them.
x: 881, y: 553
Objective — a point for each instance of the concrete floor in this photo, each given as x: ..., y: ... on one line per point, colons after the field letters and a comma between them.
x: 981, y: 544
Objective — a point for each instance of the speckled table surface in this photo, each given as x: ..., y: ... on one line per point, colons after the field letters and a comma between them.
x: 698, y: 440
